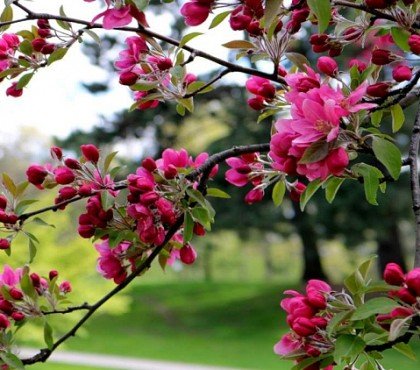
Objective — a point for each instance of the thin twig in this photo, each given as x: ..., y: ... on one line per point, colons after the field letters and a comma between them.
x: 211, y: 82
x: 84, y: 306
x: 414, y: 181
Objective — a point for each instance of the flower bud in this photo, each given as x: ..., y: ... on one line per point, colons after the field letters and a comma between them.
x: 63, y: 175
x: 43, y: 23
x: 164, y: 64
x: 198, y: 229
x: 414, y: 44
x: 18, y: 316
x: 240, y: 18
x: 413, y: 281
x: 6, y: 306
x: 38, y: 44
x: 36, y: 280
x: 382, y: 57
x: 4, y: 322
x: 328, y: 66
x: 85, y: 190
x: 3, y: 202
x: 4, y: 244
x: 86, y: 231
x: 404, y: 295
x: 256, y: 103
x: 296, y: 192
x: 16, y: 293
x: 65, y: 287
x: 72, y: 163
x: 67, y: 192
x: 48, y: 49
x: 44, y: 33
x: 128, y: 78
x: 393, y: 274
x: 304, y: 327
x: 149, y: 164
x: 359, y: 65
x: 170, y: 172
x: 255, y: 195
x: 378, y: 90
x: 36, y: 174
x: 56, y: 152
x: 402, y: 73
x: 90, y: 152
x: 187, y: 254
x: 12, y: 218
x: 14, y: 91
x: 52, y: 274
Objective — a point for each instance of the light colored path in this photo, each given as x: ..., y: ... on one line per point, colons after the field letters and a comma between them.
x: 116, y: 362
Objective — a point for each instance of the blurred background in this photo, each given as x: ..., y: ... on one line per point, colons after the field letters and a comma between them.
x: 224, y: 310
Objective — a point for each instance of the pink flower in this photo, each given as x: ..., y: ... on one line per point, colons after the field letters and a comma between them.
x: 10, y: 277
x: 196, y: 11
x: 254, y: 196
x: 113, y: 18
x: 394, y: 274
x: 328, y: 66
x: 110, y: 263
x: 288, y: 345
x: 413, y: 281
x: 129, y: 57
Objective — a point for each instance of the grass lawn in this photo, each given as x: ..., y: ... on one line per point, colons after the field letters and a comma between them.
x: 226, y: 324
x: 56, y: 366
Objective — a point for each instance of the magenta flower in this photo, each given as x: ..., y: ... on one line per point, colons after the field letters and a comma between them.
x: 113, y: 18
x: 129, y: 57
x: 10, y: 277
x: 196, y: 11
x: 288, y: 345
x: 110, y: 263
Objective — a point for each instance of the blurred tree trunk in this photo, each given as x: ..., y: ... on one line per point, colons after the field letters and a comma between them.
x: 207, y: 262
x: 268, y: 260
x: 389, y: 247
x: 311, y: 259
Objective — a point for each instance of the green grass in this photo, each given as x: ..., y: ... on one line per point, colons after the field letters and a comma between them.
x: 226, y: 324
x: 56, y: 366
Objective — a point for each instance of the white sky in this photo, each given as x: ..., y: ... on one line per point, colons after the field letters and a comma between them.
x: 55, y: 102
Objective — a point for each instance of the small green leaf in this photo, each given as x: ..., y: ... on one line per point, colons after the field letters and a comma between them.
x: 201, y: 215
x: 188, y: 227
x: 24, y: 80
x: 331, y: 189
x: 388, y: 154
x: 271, y: 11
x: 32, y: 251
x: 48, y: 335
x: 371, y: 176
x: 400, y: 37
x: 108, y: 160
x: 374, y: 306
x: 322, y: 11
x: 299, y: 60
x: 376, y: 118
x: 6, y: 16
x: 405, y: 349
x: 310, y: 190
x: 279, y: 190
x: 189, y: 37
x: 217, y: 193
x: 398, y: 117
x: 107, y: 200
x: 219, y: 18
x: 57, y: 55
x: 196, y: 196
x: 9, y: 184
x: 239, y: 44
x: 41, y: 222
x: 187, y: 103
x: 26, y: 47
x: 93, y: 35
x: 397, y: 328
x: 180, y: 109
x: 12, y: 360
x: 141, y: 4
x: 315, y: 152
x: 23, y: 205
x: 347, y: 347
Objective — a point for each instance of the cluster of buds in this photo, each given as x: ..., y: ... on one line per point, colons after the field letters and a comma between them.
x: 18, y: 302
x: 8, y: 218
x: 409, y: 291
x: 9, y: 44
x: 307, y: 318
x: 264, y: 91
x: 40, y: 44
x: 140, y: 65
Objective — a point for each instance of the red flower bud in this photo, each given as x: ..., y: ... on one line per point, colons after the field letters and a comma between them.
x: 56, y: 152
x: 14, y: 91
x: 256, y: 103
x: 4, y: 244
x: 378, y: 90
x: 402, y: 73
x: 303, y: 327
x: 149, y: 164
x: 128, y: 78
x: 44, y: 33
x: 43, y: 23
x: 85, y: 190
x: 164, y: 64
x: 36, y: 174
x: 328, y: 66
x: 65, y: 287
x: 359, y: 65
x: 53, y: 274
x: 187, y: 254
x: 393, y: 274
x: 414, y: 44
x: 199, y: 229
x: 296, y: 192
x: 36, y: 280
x: 63, y: 175
x: 67, y: 192
x: 404, y: 295
x: 48, y: 49
x: 86, y: 231
x: 6, y: 306
x: 382, y: 57
x: 18, y: 316
x: 11, y: 218
x: 413, y: 281
x: 16, y: 293
x: 90, y: 152
x: 72, y: 163
x: 4, y: 322
x: 3, y: 202
x: 170, y: 172
x: 38, y: 44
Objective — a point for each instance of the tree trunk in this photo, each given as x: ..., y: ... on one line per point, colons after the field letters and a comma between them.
x: 390, y: 249
x: 312, y: 261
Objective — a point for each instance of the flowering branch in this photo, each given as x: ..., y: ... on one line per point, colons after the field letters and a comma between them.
x: 84, y: 306
x: 414, y: 181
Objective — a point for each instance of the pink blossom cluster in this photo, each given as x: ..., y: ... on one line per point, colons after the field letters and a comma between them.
x: 118, y: 14
x: 139, y: 63
x: 16, y: 305
x: 317, y: 111
x: 8, y: 218
x: 307, y: 318
x: 9, y: 43
x: 409, y: 291
x: 263, y: 90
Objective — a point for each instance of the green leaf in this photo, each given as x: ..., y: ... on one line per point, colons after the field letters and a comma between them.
x: 188, y: 227
x: 93, y: 35
x: 406, y: 350
x: 347, y: 347
x: 48, y: 335
x: 219, y: 18
x: 108, y: 160
x: 310, y: 190
x: 376, y: 118
x: 201, y: 215
x: 9, y: 184
x: 26, y: 47
x: 217, y: 193
x: 398, y: 117
x: 279, y: 190
x: 107, y: 200
x: 322, y: 11
x: 331, y: 189
x: 32, y: 251
x: 388, y: 154
x: 11, y: 71
x: 23, y: 205
x: 299, y: 60
x: 239, y: 44
x: 27, y: 287
x: 365, y: 267
x: 336, y: 320
x: 41, y: 222
x: 141, y: 4
x: 187, y: 103
x: 398, y: 326
x: 316, y: 152
x: 271, y: 11
x: 196, y: 196
x: 6, y: 16
x: 57, y: 55
x: 371, y: 176
x: 400, y: 37
x: 355, y: 284
x: 24, y: 80
x: 12, y: 360
x: 189, y: 37
x: 374, y: 306
x: 180, y: 109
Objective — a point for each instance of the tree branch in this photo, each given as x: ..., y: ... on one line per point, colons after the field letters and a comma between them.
x: 414, y: 181
x: 209, y: 83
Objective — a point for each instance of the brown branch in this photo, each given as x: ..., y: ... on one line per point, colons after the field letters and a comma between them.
x: 84, y: 306
x: 414, y: 182
x: 209, y: 83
